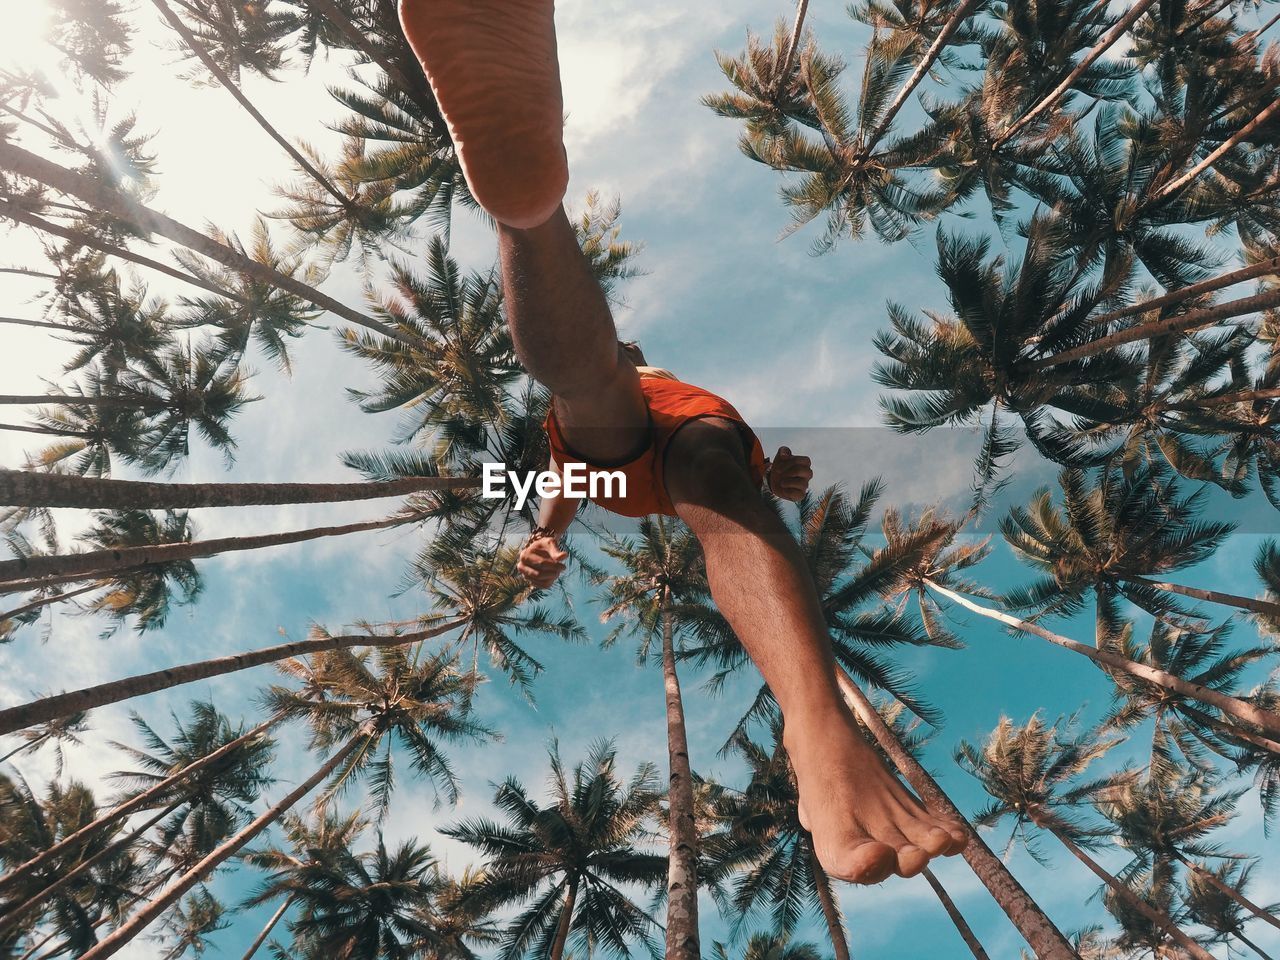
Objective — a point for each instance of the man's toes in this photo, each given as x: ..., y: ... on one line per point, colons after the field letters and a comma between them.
x: 936, y: 841
x: 911, y: 860
x: 959, y: 838
x: 868, y: 861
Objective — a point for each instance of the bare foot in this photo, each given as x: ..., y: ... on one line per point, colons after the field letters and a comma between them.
x: 496, y: 76
x: 864, y: 824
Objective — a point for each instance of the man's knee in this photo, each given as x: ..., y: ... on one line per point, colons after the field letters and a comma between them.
x: 706, y: 467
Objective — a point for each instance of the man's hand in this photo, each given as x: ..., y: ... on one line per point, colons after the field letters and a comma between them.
x: 789, y: 475
x: 541, y: 562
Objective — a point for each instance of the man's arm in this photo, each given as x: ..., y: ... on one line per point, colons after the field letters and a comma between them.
x: 541, y: 560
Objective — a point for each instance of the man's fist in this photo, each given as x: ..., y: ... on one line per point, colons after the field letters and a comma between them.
x: 789, y: 475
x: 541, y: 562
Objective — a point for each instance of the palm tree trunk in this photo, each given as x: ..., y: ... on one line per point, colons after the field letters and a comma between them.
x: 15, y: 913
x: 961, y: 924
x: 134, y: 803
x: 37, y: 604
x: 1264, y: 268
x: 793, y: 44
x: 231, y: 87
x: 1240, y: 709
x: 830, y: 909
x: 45, y: 431
x: 23, y: 271
x: 16, y: 213
x: 566, y: 918
x: 38, y: 945
x: 1044, y: 938
x: 102, y: 563
x: 68, y: 399
x: 1058, y: 92
x: 922, y: 69
x: 102, y: 197
x: 1214, y: 596
x: 124, y: 933
x: 1193, y: 320
x: 261, y: 938
x: 29, y: 488
x: 1227, y: 890
x: 333, y: 13
x: 1239, y: 935
x: 1242, y: 134
x: 65, y: 327
x: 114, y: 691
x: 1162, y: 920
x: 682, y: 870
x: 1225, y: 399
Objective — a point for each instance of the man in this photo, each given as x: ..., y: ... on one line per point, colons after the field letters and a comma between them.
x: 685, y: 451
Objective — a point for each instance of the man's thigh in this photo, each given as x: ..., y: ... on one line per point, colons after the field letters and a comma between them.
x: 610, y: 422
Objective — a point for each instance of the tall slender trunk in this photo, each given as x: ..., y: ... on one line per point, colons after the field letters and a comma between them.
x: 25, y: 870
x: 793, y: 44
x: 261, y: 938
x: 1161, y: 919
x: 830, y: 909
x: 682, y: 864
x: 921, y: 71
x: 1045, y: 939
x: 566, y: 919
x: 962, y: 925
x: 1229, y: 891
x: 1264, y: 268
x: 1239, y: 935
x: 38, y: 945
x: 65, y: 327
x: 415, y: 92
x: 233, y: 88
x: 103, y: 563
x: 1242, y: 134
x: 27, y: 164
x: 175, y: 891
x: 30, y: 488
x: 74, y: 400
x: 15, y: 913
x: 46, y: 431
x: 1181, y: 323
x: 1226, y: 399
x: 44, y: 602
x: 1108, y: 40
x: 1240, y: 709
x: 1214, y: 596
x: 63, y: 704
x: 14, y: 212
x: 23, y: 271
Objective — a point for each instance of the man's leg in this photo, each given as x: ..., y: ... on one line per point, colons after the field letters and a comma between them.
x: 565, y: 337
x: 864, y: 823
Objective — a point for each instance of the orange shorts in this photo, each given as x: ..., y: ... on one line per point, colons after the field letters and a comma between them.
x: 671, y: 404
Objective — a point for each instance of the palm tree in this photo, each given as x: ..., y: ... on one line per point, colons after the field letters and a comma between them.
x: 357, y: 711
x: 932, y: 569
x: 1167, y: 817
x: 568, y: 857
x: 762, y: 844
x: 662, y: 571
x: 308, y: 840
x: 477, y: 584
x: 769, y: 946
x: 456, y: 921
x: 1206, y: 902
x: 61, y: 731
x: 364, y: 906
x: 115, y: 691
x: 27, y: 164
x: 1032, y: 774
x: 207, y: 808
x: 191, y: 922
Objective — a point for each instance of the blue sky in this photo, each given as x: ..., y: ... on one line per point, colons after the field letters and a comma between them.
x: 785, y: 336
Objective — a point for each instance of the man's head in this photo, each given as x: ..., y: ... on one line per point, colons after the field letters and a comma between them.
x: 632, y: 349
